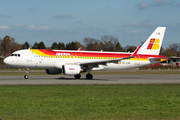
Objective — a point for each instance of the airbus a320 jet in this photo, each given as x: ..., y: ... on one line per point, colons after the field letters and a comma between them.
x: 71, y: 62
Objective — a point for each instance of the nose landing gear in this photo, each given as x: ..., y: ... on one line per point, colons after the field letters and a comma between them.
x: 26, y: 76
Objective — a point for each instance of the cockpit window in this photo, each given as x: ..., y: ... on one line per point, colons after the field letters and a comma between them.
x: 17, y: 55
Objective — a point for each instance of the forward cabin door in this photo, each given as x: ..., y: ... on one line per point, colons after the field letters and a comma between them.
x: 29, y: 56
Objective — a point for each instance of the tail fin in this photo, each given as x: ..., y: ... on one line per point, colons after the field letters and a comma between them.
x: 153, y: 44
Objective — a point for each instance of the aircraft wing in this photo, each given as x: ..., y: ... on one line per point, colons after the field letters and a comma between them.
x: 112, y: 60
x: 96, y: 63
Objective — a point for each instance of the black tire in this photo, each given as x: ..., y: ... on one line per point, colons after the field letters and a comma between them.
x: 89, y: 76
x: 26, y: 76
x: 77, y: 76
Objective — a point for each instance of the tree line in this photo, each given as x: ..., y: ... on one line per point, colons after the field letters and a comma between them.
x: 106, y: 43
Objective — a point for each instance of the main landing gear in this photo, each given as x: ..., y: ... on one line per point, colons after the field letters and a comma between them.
x: 77, y: 76
x: 88, y: 76
x: 26, y: 76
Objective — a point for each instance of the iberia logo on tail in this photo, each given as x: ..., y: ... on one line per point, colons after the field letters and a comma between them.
x: 153, y: 44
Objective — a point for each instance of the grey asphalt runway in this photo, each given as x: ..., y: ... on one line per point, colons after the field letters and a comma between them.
x: 98, y: 79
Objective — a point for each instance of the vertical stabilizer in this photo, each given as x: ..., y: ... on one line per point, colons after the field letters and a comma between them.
x: 153, y: 44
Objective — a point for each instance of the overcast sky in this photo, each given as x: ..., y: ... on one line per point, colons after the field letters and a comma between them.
x: 132, y: 21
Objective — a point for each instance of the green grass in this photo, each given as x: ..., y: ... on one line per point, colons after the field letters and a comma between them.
x: 90, y: 102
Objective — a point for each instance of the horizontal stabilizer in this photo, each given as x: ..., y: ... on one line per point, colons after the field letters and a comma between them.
x: 158, y: 59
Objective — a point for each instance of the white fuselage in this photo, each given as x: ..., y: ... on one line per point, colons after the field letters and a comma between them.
x: 28, y: 59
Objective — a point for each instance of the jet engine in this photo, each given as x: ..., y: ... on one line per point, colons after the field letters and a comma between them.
x: 53, y: 71
x: 70, y: 69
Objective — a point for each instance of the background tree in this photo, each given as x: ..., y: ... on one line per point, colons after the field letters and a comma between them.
x: 35, y: 46
x: 41, y: 45
x: 130, y: 48
x: 92, y: 44
x: 1, y: 49
x: 78, y: 44
x: 25, y: 45
x: 173, y: 48
x: 109, y: 42
x: 71, y: 46
x: 6, y: 42
x: 88, y: 40
x: 118, y: 48
x: 14, y: 46
x: 101, y: 46
x: 61, y: 46
x: 54, y: 46
x: 8, y: 45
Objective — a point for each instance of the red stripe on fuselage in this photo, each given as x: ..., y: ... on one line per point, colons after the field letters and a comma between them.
x: 96, y: 54
x: 48, y: 52
x: 85, y: 54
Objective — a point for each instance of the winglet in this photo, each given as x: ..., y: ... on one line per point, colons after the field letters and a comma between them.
x: 135, y: 52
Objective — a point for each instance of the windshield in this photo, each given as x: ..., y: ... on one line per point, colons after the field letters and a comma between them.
x: 17, y: 55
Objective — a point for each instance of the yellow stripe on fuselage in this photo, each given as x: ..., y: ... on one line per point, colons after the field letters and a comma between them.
x: 139, y: 59
x: 38, y: 52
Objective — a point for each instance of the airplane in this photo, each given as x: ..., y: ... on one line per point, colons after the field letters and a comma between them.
x: 73, y: 62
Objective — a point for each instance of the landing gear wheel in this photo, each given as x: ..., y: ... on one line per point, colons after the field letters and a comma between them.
x: 89, y: 76
x: 26, y: 76
x: 77, y: 76
x: 27, y: 71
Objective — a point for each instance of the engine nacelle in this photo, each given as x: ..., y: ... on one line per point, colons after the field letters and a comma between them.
x: 71, y: 69
x: 53, y: 71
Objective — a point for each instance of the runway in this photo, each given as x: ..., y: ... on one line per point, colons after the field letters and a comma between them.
x: 98, y: 79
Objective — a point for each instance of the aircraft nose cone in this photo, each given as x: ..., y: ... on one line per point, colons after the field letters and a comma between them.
x: 6, y: 61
